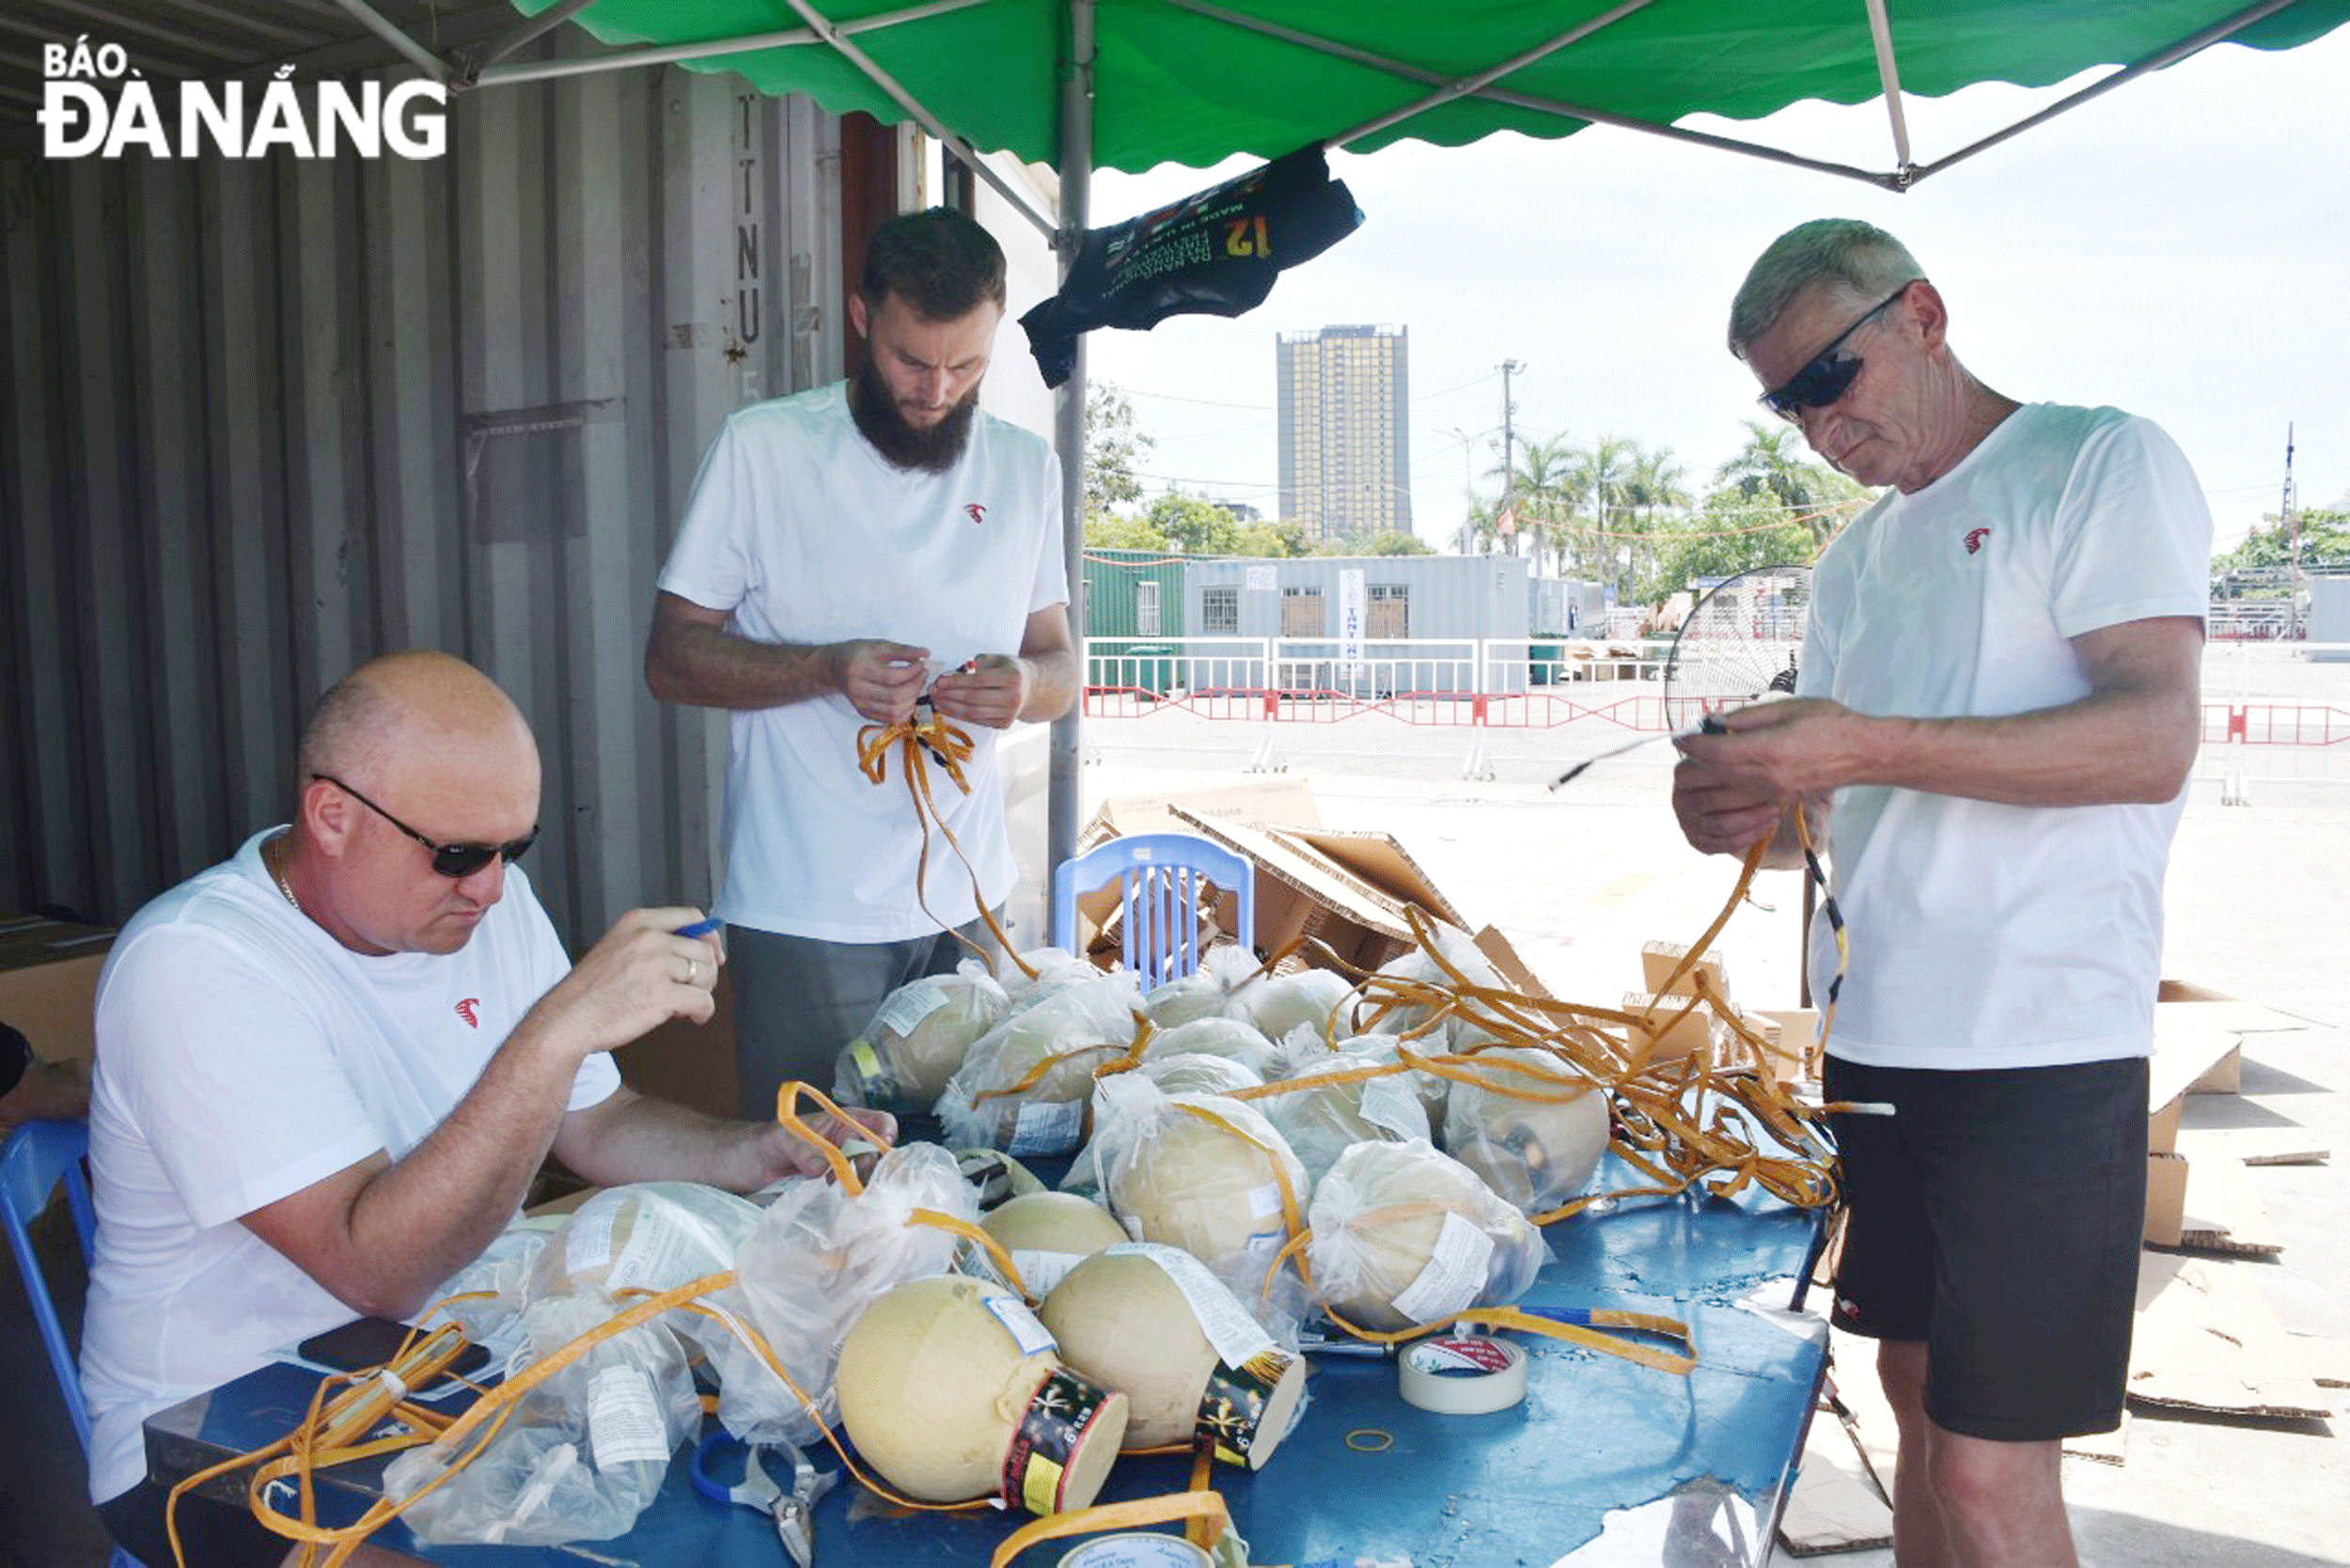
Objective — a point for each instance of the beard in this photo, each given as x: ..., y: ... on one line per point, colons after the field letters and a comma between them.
x: 881, y: 421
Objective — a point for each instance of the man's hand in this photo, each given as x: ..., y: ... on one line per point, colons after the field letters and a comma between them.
x: 1730, y: 790
x: 992, y: 692
x: 784, y: 1153
x: 881, y: 680
x: 641, y: 975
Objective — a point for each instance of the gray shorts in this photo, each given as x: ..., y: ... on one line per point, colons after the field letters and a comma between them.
x: 1998, y: 1216
x: 797, y: 1000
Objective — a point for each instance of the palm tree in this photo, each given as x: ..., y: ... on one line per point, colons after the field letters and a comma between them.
x: 1540, y: 489
x: 1657, y: 491
x: 1605, y: 495
x: 1771, y: 467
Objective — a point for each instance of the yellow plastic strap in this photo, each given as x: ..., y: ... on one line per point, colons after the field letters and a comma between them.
x: 1119, y: 1516
x: 1593, y: 1339
x: 987, y: 1244
x: 787, y: 1097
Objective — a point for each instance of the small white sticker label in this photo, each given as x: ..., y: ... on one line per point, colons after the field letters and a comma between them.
x: 908, y: 1006
x: 1390, y: 1105
x: 1264, y: 1202
x: 624, y: 1420
x: 1048, y: 1127
x: 1021, y: 1325
x: 1223, y: 1321
x: 588, y: 1246
x: 1453, y: 1276
x: 1040, y: 1271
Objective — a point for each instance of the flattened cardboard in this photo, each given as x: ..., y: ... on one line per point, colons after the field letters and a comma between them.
x: 2257, y: 1145
x: 2166, y: 1198
x: 1288, y: 802
x: 1300, y: 893
x: 2223, y: 1214
x: 1673, y: 1038
x: 49, y: 982
x: 2206, y: 1340
x: 1505, y: 958
x: 1836, y: 1505
x: 1658, y: 960
x: 1379, y: 860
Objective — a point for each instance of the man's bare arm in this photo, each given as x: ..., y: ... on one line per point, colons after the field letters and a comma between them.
x: 691, y: 658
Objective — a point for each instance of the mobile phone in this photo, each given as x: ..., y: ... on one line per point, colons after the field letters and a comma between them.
x: 364, y: 1343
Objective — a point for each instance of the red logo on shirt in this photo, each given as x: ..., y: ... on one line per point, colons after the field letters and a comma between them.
x: 466, y: 1009
x: 1975, y: 538
x: 978, y: 512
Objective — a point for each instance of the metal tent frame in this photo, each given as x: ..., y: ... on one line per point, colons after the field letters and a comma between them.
x: 466, y: 70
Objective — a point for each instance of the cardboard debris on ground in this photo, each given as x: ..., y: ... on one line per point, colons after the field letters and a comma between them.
x: 2206, y: 1340
x: 1379, y: 860
x: 2223, y: 1214
x: 2166, y: 1198
x: 2328, y: 1360
x: 2256, y: 1145
x: 1836, y: 1505
x: 1301, y: 893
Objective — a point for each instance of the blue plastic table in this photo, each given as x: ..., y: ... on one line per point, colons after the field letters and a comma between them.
x: 1604, y: 1463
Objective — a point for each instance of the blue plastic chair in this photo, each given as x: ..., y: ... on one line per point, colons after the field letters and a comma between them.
x: 1160, y: 877
x: 37, y: 1159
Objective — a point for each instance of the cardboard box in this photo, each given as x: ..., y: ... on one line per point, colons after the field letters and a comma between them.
x: 1668, y: 1038
x: 49, y: 982
x: 2166, y: 1198
x: 1302, y: 893
x: 1658, y: 960
x: 1288, y: 802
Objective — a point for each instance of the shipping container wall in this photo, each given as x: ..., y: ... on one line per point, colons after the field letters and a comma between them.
x: 1565, y: 608
x: 1404, y: 600
x: 261, y: 420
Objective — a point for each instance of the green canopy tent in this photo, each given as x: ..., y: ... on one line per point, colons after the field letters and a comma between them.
x: 1129, y: 84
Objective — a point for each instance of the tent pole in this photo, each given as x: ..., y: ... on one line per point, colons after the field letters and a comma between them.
x: 1066, y: 792
x: 407, y: 48
x: 1889, y: 79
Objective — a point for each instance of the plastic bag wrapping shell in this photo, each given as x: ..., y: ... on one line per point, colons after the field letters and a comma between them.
x: 1536, y: 1154
x: 498, y: 1277
x: 1077, y: 1030
x: 1055, y: 972
x: 583, y: 1452
x: 1459, y: 951
x: 917, y: 1039
x: 1183, y: 1179
x: 1286, y: 1002
x: 646, y: 1235
x: 1433, y: 1088
x: 1190, y: 1071
x: 1403, y: 1234
x: 815, y: 1260
x: 1322, y: 1117
x: 1235, y: 1038
x: 1217, y: 989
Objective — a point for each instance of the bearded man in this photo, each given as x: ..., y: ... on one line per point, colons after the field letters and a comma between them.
x: 847, y: 552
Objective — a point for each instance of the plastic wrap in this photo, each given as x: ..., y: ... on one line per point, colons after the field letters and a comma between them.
x: 1306, y: 998
x: 990, y: 1103
x: 1191, y: 1073
x: 917, y: 1039
x: 648, y: 1235
x: 1217, y: 989
x: 1321, y: 1115
x: 1210, y: 1183
x: 496, y: 1278
x: 582, y: 1453
x: 1404, y: 1235
x: 1235, y: 1038
x: 1433, y: 1088
x: 1458, y: 951
x: 1536, y: 1152
x: 813, y: 1261
x: 1055, y: 972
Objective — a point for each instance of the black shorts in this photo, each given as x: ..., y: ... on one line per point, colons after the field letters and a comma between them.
x: 1998, y: 1216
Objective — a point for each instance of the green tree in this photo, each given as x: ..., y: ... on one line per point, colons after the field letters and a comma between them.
x: 1732, y: 534
x: 1541, y: 490
x: 1114, y: 445
x: 1395, y: 542
x: 1772, y: 466
x: 1271, y: 541
x: 1193, y: 525
x: 2261, y: 566
x: 1110, y: 531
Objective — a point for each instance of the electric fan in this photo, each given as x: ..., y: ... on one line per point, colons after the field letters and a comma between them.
x: 1738, y: 645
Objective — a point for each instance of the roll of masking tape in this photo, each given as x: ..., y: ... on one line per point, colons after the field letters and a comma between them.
x: 1462, y: 1375
x: 1138, y: 1549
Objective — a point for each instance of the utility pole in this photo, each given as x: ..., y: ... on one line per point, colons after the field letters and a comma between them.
x: 1508, y: 513
x: 2293, y: 534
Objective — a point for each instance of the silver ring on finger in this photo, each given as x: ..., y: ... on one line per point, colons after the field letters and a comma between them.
x: 693, y: 970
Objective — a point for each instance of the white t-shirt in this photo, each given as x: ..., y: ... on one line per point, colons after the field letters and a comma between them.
x: 243, y: 1055
x: 800, y: 528
x: 1986, y: 936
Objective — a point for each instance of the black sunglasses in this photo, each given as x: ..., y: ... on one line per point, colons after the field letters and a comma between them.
x: 1827, y: 375
x: 450, y: 860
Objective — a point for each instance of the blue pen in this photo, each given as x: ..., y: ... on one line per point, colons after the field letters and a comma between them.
x: 700, y: 928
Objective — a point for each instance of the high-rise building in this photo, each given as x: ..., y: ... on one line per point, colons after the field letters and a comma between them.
x: 1346, y: 462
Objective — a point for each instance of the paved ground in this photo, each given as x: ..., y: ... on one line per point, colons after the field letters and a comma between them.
x: 2258, y: 908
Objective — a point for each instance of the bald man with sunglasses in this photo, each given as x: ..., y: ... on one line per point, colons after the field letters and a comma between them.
x: 329, y: 1067
x: 1996, y: 713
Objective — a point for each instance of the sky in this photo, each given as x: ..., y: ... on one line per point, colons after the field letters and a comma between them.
x: 2178, y: 247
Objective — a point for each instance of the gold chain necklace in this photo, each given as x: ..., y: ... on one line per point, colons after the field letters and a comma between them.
x: 277, y: 871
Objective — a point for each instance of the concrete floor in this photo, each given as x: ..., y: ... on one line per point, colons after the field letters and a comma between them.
x: 2257, y: 898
